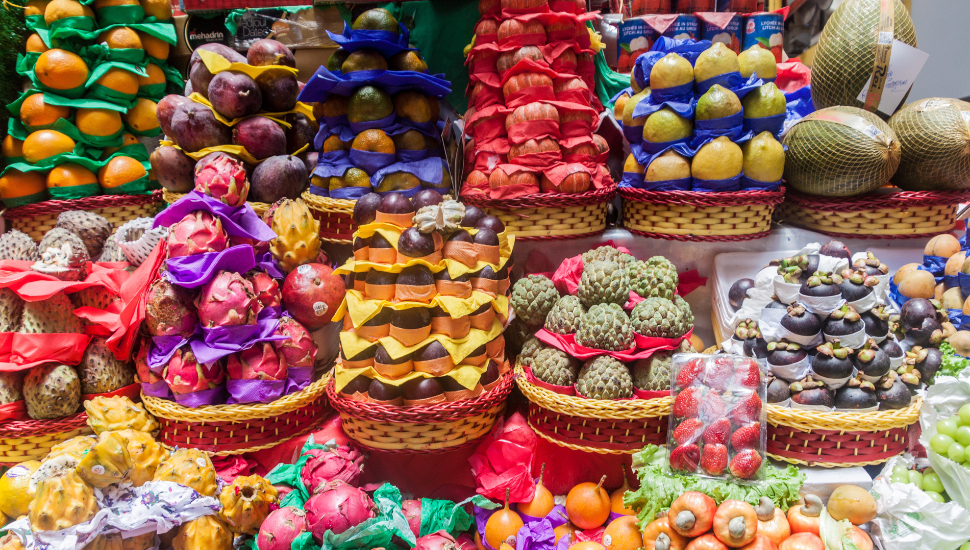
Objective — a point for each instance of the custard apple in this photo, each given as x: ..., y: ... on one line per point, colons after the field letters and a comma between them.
x: 52, y: 390
x: 601, y: 254
x: 15, y: 245
x: 604, y: 377
x: 516, y: 335
x: 603, y: 283
x: 555, y: 367
x: 656, y: 277
x: 90, y: 227
x: 565, y: 315
x: 11, y: 308
x: 11, y: 387
x: 658, y: 317
x: 685, y: 308
x: 625, y: 259
x: 532, y: 298
x: 50, y: 316
x: 58, y: 236
x: 529, y: 349
x: 605, y: 327
x: 653, y: 374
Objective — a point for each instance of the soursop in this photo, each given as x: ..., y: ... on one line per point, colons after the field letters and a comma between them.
x: 52, y: 390
x: 555, y: 367
x: 100, y: 371
x: 15, y: 245
x: 11, y: 309
x: 532, y: 298
x: 604, y: 327
x: 660, y: 318
x: 90, y: 227
x: 58, y: 236
x: 11, y: 387
x: 685, y: 309
x: 97, y: 297
x: 50, y: 316
x: 603, y: 283
x: 604, y: 377
x: 565, y: 315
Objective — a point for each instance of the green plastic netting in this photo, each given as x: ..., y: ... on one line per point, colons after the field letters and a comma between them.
x: 934, y: 137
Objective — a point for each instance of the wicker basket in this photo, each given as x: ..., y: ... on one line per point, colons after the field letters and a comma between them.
x: 592, y: 425
x: 884, y: 214
x: 24, y: 440
x: 37, y: 219
x: 233, y: 429
x: 549, y: 216
x: 258, y: 207
x: 422, y: 429
x: 699, y: 216
x: 335, y: 215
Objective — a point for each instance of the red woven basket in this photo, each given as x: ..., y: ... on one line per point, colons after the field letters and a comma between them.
x: 549, y: 216
x: 335, y: 215
x: 37, y: 219
x: 23, y: 440
x: 699, y: 216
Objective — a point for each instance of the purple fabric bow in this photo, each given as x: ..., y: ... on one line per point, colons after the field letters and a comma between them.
x: 162, y: 350
x: 198, y: 269
x: 298, y: 378
x: 215, y: 396
x: 267, y: 263
x: 254, y: 391
x: 240, y: 221
x: 159, y: 389
x: 218, y: 342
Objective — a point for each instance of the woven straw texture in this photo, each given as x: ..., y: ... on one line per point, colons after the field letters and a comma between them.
x: 424, y: 428
x: 258, y: 207
x: 335, y: 215
x: 695, y: 216
x: 549, y: 216
x: 935, y: 142
x: 889, y: 215
x: 37, y: 219
x: 833, y: 160
x: 25, y: 440
x: 847, y: 50
x: 593, y: 425
x: 233, y: 429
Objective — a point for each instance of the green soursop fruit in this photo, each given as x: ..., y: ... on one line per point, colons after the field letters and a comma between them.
x: 97, y: 297
x: 625, y: 259
x: 529, y: 349
x: 532, y: 298
x: 601, y: 254
x: 52, y: 390
x: 604, y: 378
x: 90, y: 227
x: 11, y: 309
x: 15, y: 245
x: 603, y: 283
x: 685, y: 309
x: 11, y: 387
x: 654, y: 277
x: 58, y: 236
x: 555, y: 367
x: 604, y: 327
x: 565, y: 315
x: 51, y: 316
x: 658, y: 317
x: 653, y: 374
x: 100, y: 371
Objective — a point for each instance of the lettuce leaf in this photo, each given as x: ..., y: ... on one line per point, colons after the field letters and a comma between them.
x: 952, y: 363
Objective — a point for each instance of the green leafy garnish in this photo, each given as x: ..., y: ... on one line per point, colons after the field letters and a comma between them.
x: 952, y: 363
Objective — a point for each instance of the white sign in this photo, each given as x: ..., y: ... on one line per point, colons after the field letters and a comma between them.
x: 905, y: 63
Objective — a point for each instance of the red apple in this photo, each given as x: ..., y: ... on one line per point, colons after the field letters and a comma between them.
x: 312, y: 294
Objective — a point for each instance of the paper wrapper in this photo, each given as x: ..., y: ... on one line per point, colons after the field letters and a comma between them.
x: 793, y: 371
x: 410, y: 336
x: 854, y: 340
x: 452, y: 328
x: 503, y: 460
x: 435, y: 367
x: 440, y: 398
x: 394, y: 371
x: 458, y: 349
x: 454, y: 288
x: 466, y: 375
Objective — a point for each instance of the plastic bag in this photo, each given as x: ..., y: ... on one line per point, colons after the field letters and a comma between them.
x: 943, y: 399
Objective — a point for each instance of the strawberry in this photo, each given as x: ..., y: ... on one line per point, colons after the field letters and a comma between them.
x: 746, y: 437
x: 748, y: 409
x: 748, y: 375
x: 689, y: 373
x: 687, y: 402
x: 714, y: 459
x: 719, y: 374
x: 685, y: 457
x: 745, y: 464
x: 718, y: 432
x: 688, y: 431
x: 712, y: 407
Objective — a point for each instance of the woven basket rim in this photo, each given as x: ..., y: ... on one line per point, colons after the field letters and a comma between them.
x: 631, y: 409
x: 496, y: 411
x: 421, y: 414
x: 543, y: 200
x: 701, y: 199
x: 171, y: 197
x: 85, y: 203
x: 341, y: 204
x: 807, y: 420
x: 33, y: 428
x: 877, y: 200
x: 171, y: 410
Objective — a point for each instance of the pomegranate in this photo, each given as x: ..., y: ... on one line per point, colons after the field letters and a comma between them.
x: 312, y: 293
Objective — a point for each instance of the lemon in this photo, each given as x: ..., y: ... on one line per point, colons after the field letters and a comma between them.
x: 764, y: 158
x: 14, y: 489
x: 720, y: 159
x: 668, y: 166
x: 767, y: 100
x: 717, y: 102
x: 666, y: 125
x: 715, y: 61
x: 631, y: 165
x: 672, y: 70
x: 757, y: 60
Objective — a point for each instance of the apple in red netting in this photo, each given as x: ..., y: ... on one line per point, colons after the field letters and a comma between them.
x: 312, y: 293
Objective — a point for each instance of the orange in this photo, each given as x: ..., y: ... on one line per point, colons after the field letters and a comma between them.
x: 119, y: 80
x: 126, y: 140
x: 15, y: 184
x: 412, y: 106
x: 159, y: 9
x: 97, y: 122
x: 34, y: 112
x: 46, y: 143
x: 588, y: 545
x: 335, y: 105
x: 373, y: 140
x: 11, y: 147
x: 63, y: 9
x: 588, y: 505
x: 142, y: 117
x: 155, y: 76
x: 121, y: 38
x: 119, y: 171
x: 154, y: 47
x: 35, y: 7
x: 36, y: 44
x: 333, y: 143
x: 61, y: 70
x: 623, y: 534
x: 69, y: 175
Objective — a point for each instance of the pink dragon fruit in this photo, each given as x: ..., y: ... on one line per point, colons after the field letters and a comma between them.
x: 184, y: 374
x: 465, y: 542
x: 337, y: 507
x: 169, y: 310
x: 266, y: 288
x: 280, y: 528
x: 145, y: 374
x: 228, y: 299
x: 437, y: 541
x: 342, y: 463
x: 196, y: 233
x: 222, y: 177
x: 412, y: 513
x: 299, y: 350
x: 259, y: 362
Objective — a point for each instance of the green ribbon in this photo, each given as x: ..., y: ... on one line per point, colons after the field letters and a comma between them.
x: 136, y: 151
x: 25, y: 200
x: 71, y: 27
x: 120, y: 15
x: 36, y: 23
x: 176, y: 84
x: 74, y: 191
x: 82, y: 103
x: 154, y: 92
x: 97, y: 91
x: 13, y: 160
x: 101, y: 53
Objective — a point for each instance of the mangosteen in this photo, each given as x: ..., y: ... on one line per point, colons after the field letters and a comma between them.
x: 785, y: 353
x: 857, y: 393
x: 411, y: 318
x: 856, y: 285
x: 486, y: 237
x: 381, y: 391
x: 358, y: 385
x: 472, y: 215
x: 915, y: 312
x: 365, y: 209
x: 450, y: 384
x: 871, y: 265
x: 871, y: 361
x: 749, y: 335
x: 739, y: 291
x: 876, y: 321
x: 426, y: 197
x: 777, y: 389
x: 843, y: 322
x: 836, y: 249
x: 821, y: 284
x: 892, y: 393
x: 775, y: 303
x: 910, y: 376
x: 395, y: 203
x: 809, y: 391
x: 361, y: 242
x: 489, y: 222
x: 806, y: 263
x: 891, y: 348
x: 930, y: 334
x: 415, y: 244
x: 800, y: 321
x: 378, y: 241
x: 491, y: 373
x: 422, y: 388
x: 832, y: 361
x: 415, y: 275
x: 926, y: 361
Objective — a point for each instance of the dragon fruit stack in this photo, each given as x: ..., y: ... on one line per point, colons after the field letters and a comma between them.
x: 218, y: 333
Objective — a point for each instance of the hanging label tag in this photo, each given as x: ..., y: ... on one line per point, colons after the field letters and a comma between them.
x: 904, y: 67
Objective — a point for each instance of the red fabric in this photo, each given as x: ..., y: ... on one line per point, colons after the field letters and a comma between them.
x: 560, y: 171
x: 563, y: 6
x: 482, y: 61
x: 569, y: 143
x: 513, y: 191
x: 533, y: 93
x: 228, y: 468
x: 538, y: 264
x: 793, y: 75
x: 553, y: 50
x: 561, y: 390
x: 133, y: 311
x: 509, y: 13
x: 33, y: 286
x: 487, y: 155
x: 648, y: 394
x: 19, y: 351
x: 525, y: 39
x: 574, y: 95
x: 522, y: 132
x: 645, y: 346
x: 491, y: 94
x: 488, y: 123
x: 131, y: 391
x: 14, y: 411
x: 490, y: 38
x: 586, y: 160
x: 491, y: 79
x: 574, y: 128
x: 539, y: 161
x: 504, y: 459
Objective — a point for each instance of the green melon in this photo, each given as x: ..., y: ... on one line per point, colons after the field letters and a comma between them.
x: 934, y: 138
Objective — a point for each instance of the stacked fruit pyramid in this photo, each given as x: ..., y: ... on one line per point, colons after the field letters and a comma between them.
x: 95, y: 76
x: 426, y: 301
x: 237, y: 109
x: 380, y: 111
x: 531, y: 118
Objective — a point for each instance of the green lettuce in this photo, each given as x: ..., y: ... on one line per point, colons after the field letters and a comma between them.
x: 952, y: 363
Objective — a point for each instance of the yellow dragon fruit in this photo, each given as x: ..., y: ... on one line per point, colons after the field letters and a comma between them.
x: 146, y: 456
x: 107, y: 462
x: 246, y: 503
x: 108, y: 414
x: 76, y: 447
x: 297, y: 234
x: 204, y: 533
x: 189, y: 467
x: 110, y: 541
x: 139, y: 542
x: 63, y: 500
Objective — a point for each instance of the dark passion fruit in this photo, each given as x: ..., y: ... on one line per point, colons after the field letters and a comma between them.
x: 491, y: 373
x: 415, y: 244
x: 422, y: 388
x: 361, y: 242
x: 892, y: 393
x: 809, y: 391
x: 365, y: 209
x: 778, y: 390
x: 443, y: 275
x: 492, y: 223
x: 432, y: 351
x: 367, y: 353
x: 378, y: 241
x: 836, y: 249
x: 358, y: 385
x: 871, y: 265
x: 486, y: 237
x: 871, y: 361
x: 857, y: 393
x: 382, y: 318
x: 800, y: 321
x: 843, y: 322
x: 832, y: 361
x: 411, y: 318
x: 739, y: 291
x: 381, y: 391
x: 876, y: 321
x: 415, y: 275
x: 395, y: 203
x: 450, y: 384
x: 461, y: 236
x: 821, y: 284
x: 785, y: 353
x: 472, y: 216
x: 381, y: 278
x: 426, y: 197
x: 856, y: 285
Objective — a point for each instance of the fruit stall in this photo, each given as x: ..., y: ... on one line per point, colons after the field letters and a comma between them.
x: 493, y: 275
